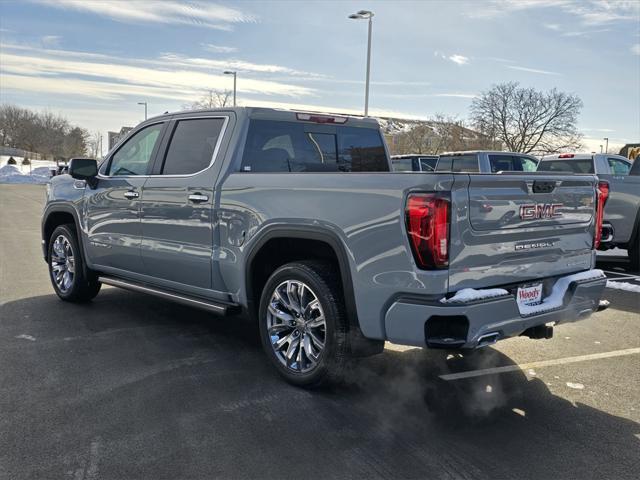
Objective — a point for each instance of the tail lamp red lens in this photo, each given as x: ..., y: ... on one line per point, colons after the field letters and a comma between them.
x: 428, y: 219
x: 602, y: 195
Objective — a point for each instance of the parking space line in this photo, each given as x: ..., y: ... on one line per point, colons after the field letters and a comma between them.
x: 540, y: 364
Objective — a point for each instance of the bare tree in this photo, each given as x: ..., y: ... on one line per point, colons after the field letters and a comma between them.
x: 527, y: 120
x: 93, y: 144
x: 441, y: 133
x: 213, y: 99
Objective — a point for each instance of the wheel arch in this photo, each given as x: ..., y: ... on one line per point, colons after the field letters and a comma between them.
x: 295, y: 234
x: 55, y: 216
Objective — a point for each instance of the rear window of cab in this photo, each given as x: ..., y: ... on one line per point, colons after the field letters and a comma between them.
x: 572, y: 166
x: 277, y: 146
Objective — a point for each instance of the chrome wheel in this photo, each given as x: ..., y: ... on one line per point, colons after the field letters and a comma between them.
x: 296, y: 326
x: 62, y: 263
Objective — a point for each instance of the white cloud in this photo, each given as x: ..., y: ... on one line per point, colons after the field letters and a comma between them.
x: 584, y: 33
x: 635, y: 49
x: 218, y: 48
x: 41, y: 70
x: 456, y: 58
x: 167, y: 11
x: 589, y: 12
x: 50, y: 40
x: 459, y: 59
x: 552, y: 26
x: 532, y: 70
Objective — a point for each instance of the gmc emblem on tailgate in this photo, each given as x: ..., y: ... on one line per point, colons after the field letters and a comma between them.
x: 534, y: 211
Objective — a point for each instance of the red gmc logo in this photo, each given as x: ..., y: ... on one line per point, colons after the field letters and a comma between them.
x: 534, y: 211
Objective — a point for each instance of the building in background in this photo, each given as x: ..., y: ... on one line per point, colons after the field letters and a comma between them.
x: 115, y: 137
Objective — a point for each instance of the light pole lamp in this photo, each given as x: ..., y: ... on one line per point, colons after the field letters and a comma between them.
x: 606, y: 147
x: 366, y: 15
x: 145, y: 108
x: 234, y: 73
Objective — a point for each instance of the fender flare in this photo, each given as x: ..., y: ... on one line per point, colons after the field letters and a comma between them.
x: 63, y: 208
x: 306, y: 232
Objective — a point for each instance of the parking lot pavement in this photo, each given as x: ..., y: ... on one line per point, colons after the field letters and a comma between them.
x: 130, y: 386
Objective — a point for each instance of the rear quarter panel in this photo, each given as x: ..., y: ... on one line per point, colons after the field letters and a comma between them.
x: 365, y: 211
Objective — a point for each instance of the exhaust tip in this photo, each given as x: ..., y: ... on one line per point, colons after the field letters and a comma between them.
x: 488, y: 339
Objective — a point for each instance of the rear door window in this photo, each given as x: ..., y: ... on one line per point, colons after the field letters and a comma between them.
x: 402, y: 165
x: 512, y: 163
x: 192, y: 145
x: 296, y: 147
x: 428, y: 164
x: 459, y: 164
x: 573, y: 166
x: 619, y: 167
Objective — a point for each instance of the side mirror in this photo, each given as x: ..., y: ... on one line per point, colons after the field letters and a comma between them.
x: 84, y: 169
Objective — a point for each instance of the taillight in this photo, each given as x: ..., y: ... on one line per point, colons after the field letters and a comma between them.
x: 308, y: 117
x: 427, y: 216
x: 566, y: 155
x: 602, y: 195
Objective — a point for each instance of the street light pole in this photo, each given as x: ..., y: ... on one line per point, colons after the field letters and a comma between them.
x: 366, y: 15
x: 606, y: 148
x: 234, y: 73
x: 145, y: 108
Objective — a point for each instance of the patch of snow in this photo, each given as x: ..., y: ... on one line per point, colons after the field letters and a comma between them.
x: 26, y: 337
x: 627, y: 287
x: 532, y: 372
x: 9, y: 170
x: 575, y: 386
x: 612, y: 252
x: 519, y: 412
x: 471, y: 294
x: 555, y: 300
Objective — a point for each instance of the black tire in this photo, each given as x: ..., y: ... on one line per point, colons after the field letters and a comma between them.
x: 634, y: 254
x: 78, y: 287
x: 323, y: 281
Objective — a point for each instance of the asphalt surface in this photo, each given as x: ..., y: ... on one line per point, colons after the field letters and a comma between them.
x: 132, y: 387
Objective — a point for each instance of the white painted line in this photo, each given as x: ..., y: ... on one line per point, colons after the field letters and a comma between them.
x: 540, y: 364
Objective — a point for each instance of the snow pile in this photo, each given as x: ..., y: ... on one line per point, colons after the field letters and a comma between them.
x: 555, y: 300
x: 9, y: 170
x: 471, y: 294
x: 627, y: 287
x: 12, y: 174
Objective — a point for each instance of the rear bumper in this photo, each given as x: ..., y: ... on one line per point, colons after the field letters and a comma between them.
x: 406, y: 319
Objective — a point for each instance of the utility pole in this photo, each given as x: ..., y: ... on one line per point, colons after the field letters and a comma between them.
x: 145, y: 108
x: 235, y: 75
x: 606, y: 148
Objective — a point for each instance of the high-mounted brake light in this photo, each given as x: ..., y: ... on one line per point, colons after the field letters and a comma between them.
x: 308, y: 117
x: 428, y: 218
x: 566, y: 155
x: 602, y: 194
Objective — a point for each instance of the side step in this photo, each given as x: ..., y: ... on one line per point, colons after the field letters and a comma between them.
x: 219, y: 308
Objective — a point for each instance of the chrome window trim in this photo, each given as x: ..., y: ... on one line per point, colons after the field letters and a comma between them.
x: 223, y: 131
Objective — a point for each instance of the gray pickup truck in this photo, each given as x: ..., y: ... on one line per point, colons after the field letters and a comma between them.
x: 621, y: 224
x: 486, y: 161
x: 295, y: 219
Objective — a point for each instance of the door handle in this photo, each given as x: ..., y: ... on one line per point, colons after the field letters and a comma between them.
x: 197, y: 198
x: 131, y: 194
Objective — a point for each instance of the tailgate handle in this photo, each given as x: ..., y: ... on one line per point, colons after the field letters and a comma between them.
x: 540, y: 186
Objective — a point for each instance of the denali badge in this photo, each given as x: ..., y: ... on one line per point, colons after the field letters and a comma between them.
x: 534, y: 211
x: 530, y: 246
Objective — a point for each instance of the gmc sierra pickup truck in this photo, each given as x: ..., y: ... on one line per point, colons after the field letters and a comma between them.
x: 621, y: 224
x: 295, y: 219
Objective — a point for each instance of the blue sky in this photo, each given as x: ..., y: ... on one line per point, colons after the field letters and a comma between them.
x: 92, y: 61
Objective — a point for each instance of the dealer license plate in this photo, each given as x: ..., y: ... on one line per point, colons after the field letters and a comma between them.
x: 529, y: 295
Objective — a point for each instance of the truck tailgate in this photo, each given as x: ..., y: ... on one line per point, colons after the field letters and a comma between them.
x: 512, y: 228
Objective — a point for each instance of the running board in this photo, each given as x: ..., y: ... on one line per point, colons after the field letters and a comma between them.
x: 219, y: 308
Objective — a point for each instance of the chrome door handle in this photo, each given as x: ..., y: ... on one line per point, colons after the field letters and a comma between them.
x: 131, y: 194
x: 197, y: 198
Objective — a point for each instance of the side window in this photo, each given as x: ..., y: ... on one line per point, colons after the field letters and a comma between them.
x: 133, y: 157
x: 501, y: 163
x: 428, y: 164
x: 466, y: 164
x: 525, y: 164
x: 619, y: 167
x: 286, y: 147
x: 444, y: 164
x: 192, y: 146
x: 361, y: 150
x: 294, y: 147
